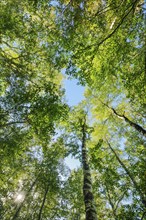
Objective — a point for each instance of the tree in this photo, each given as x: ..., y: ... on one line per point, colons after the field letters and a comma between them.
x: 109, y: 48
x: 31, y: 105
x: 102, y: 45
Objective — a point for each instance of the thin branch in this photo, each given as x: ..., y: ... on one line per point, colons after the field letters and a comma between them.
x: 120, y: 23
x: 11, y: 123
x: 111, y: 34
x: 119, y: 200
x: 143, y: 215
x: 129, y: 174
x: 111, y: 203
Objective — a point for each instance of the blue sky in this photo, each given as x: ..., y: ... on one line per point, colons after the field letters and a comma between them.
x: 74, y: 95
x: 74, y: 92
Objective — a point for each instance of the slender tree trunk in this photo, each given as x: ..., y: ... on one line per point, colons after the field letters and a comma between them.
x: 130, y: 175
x: 87, y: 184
x: 20, y: 206
x: 43, y: 203
x: 111, y: 203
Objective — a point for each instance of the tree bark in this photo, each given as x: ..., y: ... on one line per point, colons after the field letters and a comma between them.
x: 134, y: 125
x: 87, y: 184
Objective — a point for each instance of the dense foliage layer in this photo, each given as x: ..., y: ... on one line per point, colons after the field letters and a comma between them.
x: 102, y: 44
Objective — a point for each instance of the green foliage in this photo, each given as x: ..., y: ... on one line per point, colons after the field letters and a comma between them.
x: 100, y: 43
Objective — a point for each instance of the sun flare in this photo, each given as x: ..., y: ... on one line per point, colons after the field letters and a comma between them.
x: 19, y: 197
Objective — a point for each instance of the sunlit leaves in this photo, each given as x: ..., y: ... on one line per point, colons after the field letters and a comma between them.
x: 102, y: 45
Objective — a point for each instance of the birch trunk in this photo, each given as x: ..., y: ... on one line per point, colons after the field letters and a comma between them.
x: 87, y: 184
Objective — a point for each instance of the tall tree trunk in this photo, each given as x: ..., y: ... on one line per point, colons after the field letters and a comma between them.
x: 87, y: 184
x: 43, y: 203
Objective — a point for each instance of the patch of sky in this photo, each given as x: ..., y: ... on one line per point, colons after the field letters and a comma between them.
x: 72, y: 163
x: 73, y: 91
x: 54, y: 3
x: 118, y: 99
x: 74, y: 94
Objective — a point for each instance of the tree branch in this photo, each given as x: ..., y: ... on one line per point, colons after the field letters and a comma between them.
x: 11, y: 123
x: 111, y: 34
x: 43, y: 203
x: 129, y: 174
x: 133, y: 124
